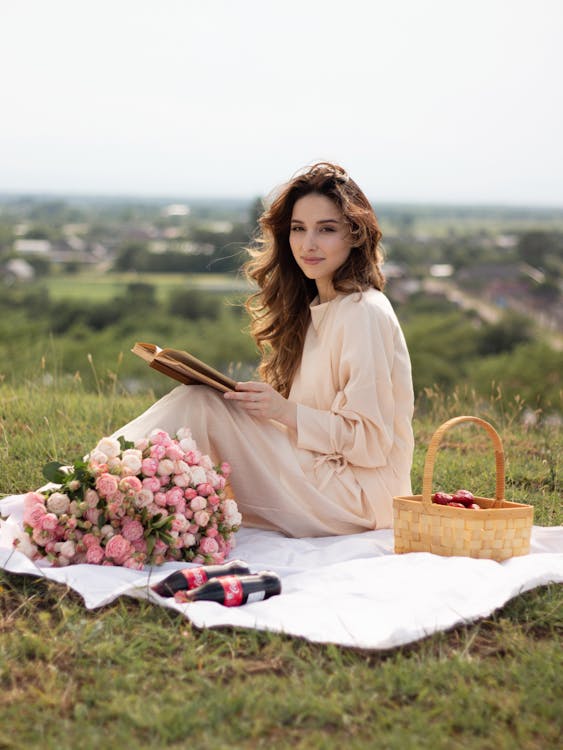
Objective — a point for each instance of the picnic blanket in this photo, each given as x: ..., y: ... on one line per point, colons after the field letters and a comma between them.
x: 349, y: 590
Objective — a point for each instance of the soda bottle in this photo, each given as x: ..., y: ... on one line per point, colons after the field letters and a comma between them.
x: 191, y: 578
x: 234, y: 590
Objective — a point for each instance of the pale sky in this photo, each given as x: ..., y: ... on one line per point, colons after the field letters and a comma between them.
x: 455, y: 101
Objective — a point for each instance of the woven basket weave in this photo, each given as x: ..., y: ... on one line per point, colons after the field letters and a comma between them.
x: 502, y: 529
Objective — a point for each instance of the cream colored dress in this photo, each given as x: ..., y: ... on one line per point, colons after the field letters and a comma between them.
x: 352, y: 449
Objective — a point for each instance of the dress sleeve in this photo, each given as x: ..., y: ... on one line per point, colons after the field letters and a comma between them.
x: 358, y: 428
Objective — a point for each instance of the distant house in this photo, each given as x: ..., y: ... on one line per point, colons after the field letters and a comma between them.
x: 16, y: 269
x: 32, y: 247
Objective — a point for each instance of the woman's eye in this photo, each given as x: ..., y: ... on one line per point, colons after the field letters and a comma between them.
x: 296, y: 229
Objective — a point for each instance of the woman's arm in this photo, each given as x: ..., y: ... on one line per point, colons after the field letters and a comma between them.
x: 373, y: 382
x: 261, y: 400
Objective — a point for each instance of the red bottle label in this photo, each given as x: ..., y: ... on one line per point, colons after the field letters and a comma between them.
x: 194, y: 576
x: 233, y: 590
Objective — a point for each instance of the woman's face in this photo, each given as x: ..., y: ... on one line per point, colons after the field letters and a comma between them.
x: 320, y: 240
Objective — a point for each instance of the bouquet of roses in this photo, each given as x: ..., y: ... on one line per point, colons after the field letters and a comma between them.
x: 134, y: 504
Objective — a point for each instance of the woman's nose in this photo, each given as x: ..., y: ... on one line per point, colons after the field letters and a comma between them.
x: 310, y: 240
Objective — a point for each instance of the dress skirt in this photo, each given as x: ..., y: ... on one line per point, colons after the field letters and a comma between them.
x: 277, y: 485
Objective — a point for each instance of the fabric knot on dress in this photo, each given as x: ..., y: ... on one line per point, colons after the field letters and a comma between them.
x: 336, y: 463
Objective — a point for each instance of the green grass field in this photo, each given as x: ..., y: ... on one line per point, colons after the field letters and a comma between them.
x: 136, y: 675
x: 95, y: 286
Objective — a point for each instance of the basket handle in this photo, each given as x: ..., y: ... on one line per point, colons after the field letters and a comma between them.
x: 435, y: 444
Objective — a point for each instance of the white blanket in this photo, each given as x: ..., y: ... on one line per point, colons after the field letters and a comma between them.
x: 350, y: 590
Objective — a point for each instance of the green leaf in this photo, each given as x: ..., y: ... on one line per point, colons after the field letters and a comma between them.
x: 52, y: 472
x: 125, y: 444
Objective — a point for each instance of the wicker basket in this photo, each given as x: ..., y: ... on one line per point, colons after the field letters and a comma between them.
x: 500, y: 530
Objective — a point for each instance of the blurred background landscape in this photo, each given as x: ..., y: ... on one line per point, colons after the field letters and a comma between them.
x: 478, y: 291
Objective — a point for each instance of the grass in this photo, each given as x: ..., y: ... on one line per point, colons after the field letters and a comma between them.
x: 143, y: 676
x: 96, y: 286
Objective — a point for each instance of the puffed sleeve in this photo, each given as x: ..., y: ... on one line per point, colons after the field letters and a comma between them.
x: 359, y: 426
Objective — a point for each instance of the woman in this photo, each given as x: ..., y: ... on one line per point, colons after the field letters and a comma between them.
x: 322, y: 443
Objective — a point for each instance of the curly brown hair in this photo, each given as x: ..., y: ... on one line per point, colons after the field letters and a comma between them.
x: 279, y: 310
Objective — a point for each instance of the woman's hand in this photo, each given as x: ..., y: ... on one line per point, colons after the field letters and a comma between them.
x: 261, y: 400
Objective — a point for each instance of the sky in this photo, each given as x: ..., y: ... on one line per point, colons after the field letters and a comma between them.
x: 425, y: 101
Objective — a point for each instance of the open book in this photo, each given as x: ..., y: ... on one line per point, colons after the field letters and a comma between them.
x: 182, y: 366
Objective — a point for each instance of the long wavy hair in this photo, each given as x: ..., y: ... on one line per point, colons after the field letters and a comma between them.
x: 279, y: 310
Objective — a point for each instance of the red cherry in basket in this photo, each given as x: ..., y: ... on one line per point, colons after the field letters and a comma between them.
x: 463, y: 496
x: 456, y: 505
x: 442, y: 498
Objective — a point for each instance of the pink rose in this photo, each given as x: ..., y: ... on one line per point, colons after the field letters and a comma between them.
x: 160, y: 498
x: 212, y: 532
x: 140, y: 545
x: 213, y: 499
x: 174, y: 452
x: 201, y: 518
x: 132, y: 530
x: 106, y: 484
x: 160, y: 547
x: 218, y: 557
x: 174, y: 495
x: 160, y: 437
x: 181, y: 507
x: 226, y: 469
x: 118, y: 548
x: 179, y: 523
x: 130, y: 485
x: 94, y: 554
x: 49, y: 522
x: 157, y: 451
x: 151, y: 483
x: 41, y: 536
x: 58, y: 503
x: 208, y: 545
x: 164, y: 480
x: 194, y: 528
x: 91, y: 498
x: 190, y: 493
x: 33, y: 515
x: 90, y: 540
x: 134, y: 564
x: 31, y: 499
x: 198, y: 503
x: 149, y: 467
x: 204, y: 489
x: 92, y: 515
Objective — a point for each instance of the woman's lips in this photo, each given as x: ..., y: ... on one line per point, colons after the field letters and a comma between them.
x: 312, y: 261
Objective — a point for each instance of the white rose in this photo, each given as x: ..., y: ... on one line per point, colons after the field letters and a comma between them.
x: 188, y: 539
x: 107, y: 531
x: 109, y: 446
x: 198, y: 475
x: 206, y: 462
x: 184, y: 433
x: 97, y: 457
x: 58, y: 503
x: 67, y: 549
x: 181, y: 467
x: 143, y: 498
x: 165, y: 467
x: 234, y: 519
x: 229, y: 507
x: 131, y: 461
